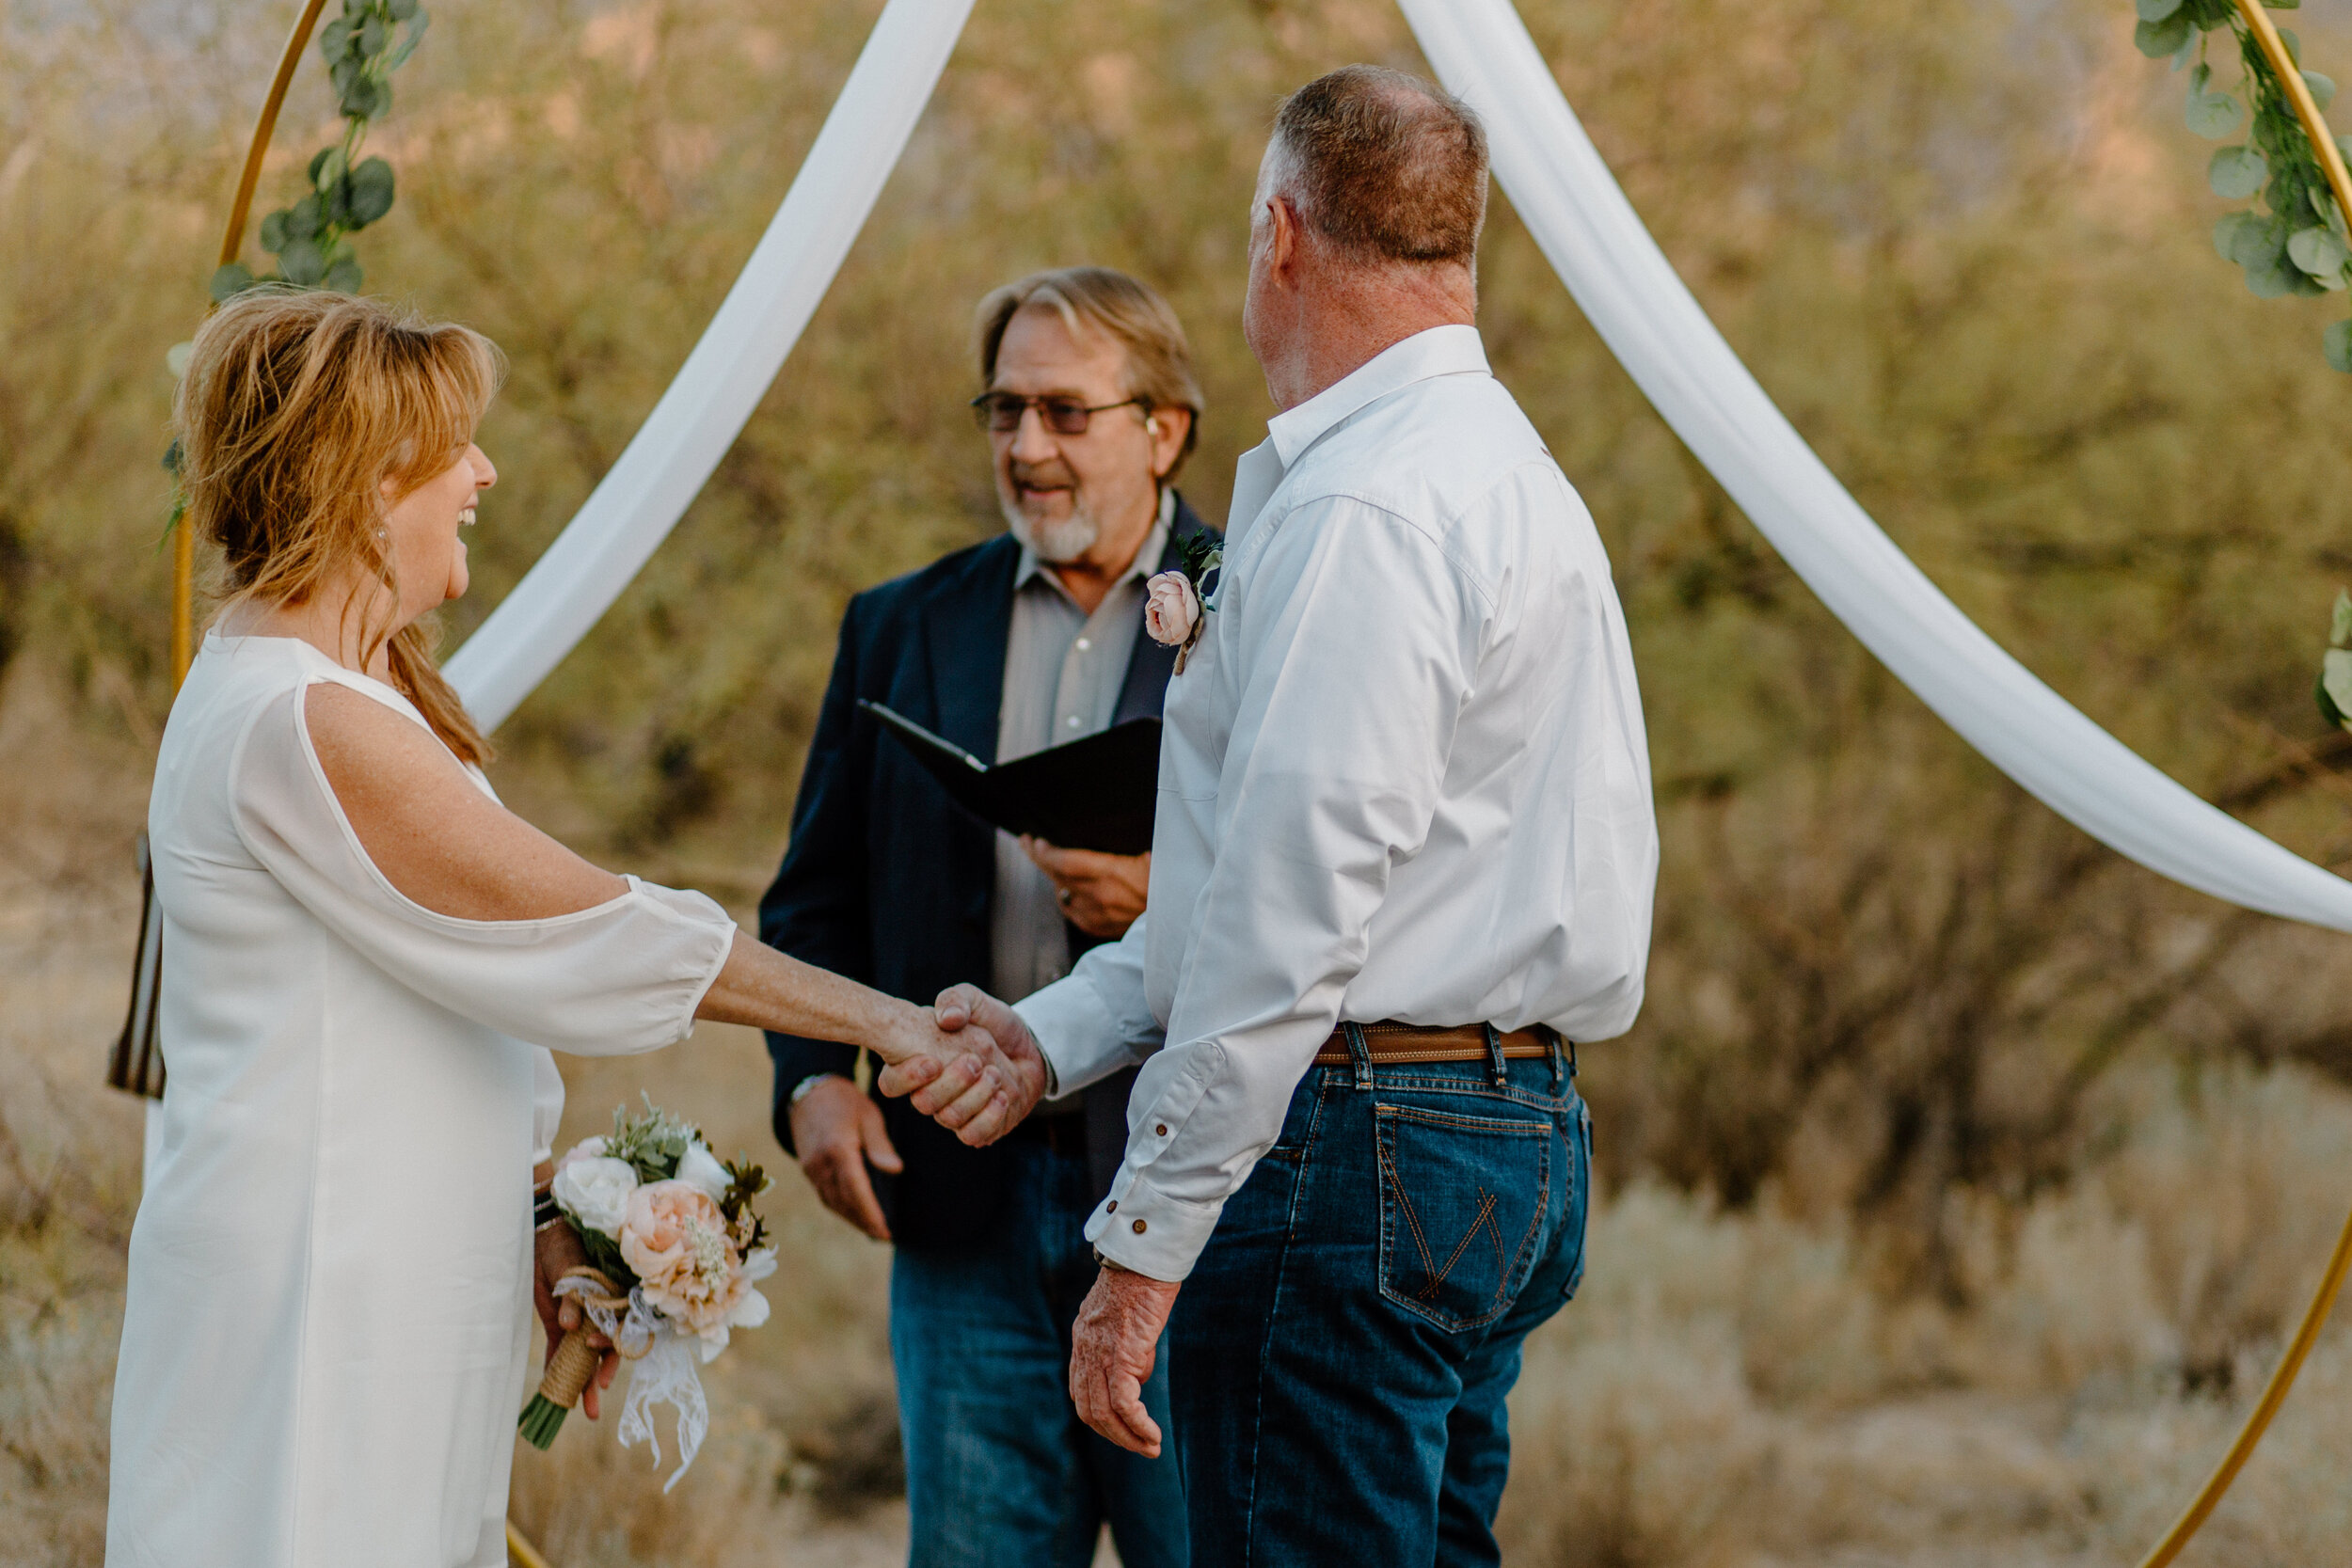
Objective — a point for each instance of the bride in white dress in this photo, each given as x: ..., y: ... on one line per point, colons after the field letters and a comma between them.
x: 366, y: 960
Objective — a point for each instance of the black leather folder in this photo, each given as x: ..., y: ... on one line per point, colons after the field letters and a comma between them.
x: 1092, y: 793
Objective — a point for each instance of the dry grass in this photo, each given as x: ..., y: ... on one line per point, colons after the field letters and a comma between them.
x: 1735, y: 1390
x: 1744, y: 1388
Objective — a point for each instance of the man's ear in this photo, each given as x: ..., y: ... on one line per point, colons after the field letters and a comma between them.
x: 1287, y: 235
x: 1168, y: 427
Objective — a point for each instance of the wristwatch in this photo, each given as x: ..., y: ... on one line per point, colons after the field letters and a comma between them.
x: 799, y: 1090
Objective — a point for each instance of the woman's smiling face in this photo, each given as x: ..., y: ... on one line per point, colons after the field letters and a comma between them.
x: 428, y: 556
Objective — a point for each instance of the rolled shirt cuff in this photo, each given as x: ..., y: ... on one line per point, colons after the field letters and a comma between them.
x: 1149, y: 1232
x: 1077, y: 1032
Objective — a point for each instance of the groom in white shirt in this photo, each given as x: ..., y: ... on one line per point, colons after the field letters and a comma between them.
x: 1405, y: 854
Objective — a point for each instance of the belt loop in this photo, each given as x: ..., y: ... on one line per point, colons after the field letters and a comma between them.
x: 1496, y: 1072
x: 1360, y: 1053
x: 1562, y: 1055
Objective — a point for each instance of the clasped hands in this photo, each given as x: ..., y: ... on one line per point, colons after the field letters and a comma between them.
x: 981, y: 1077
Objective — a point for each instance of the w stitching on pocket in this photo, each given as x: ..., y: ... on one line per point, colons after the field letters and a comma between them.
x: 1485, y: 1222
x: 1427, y: 1299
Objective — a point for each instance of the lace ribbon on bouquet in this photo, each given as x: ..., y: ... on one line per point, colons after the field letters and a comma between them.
x: 662, y: 1370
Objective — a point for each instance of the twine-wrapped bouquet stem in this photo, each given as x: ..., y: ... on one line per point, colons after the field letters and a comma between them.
x: 574, y: 1363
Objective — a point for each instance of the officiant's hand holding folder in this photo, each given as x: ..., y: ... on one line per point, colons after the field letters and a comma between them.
x: 1094, y: 794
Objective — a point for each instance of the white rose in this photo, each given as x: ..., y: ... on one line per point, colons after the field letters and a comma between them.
x: 1171, y: 610
x: 699, y: 1167
x: 587, y: 1148
x: 595, y: 1192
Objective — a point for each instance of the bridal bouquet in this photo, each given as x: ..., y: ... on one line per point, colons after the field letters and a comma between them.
x: 675, y: 1253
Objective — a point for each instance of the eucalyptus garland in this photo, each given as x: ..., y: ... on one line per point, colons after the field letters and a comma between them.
x: 2299, y: 244
x: 2335, y: 666
x: 311, y: 239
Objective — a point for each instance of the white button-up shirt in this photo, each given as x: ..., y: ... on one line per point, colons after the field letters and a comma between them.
x: 1403, y: 776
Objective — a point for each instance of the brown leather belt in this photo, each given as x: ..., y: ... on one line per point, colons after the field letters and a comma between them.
x: 1407, y: 1043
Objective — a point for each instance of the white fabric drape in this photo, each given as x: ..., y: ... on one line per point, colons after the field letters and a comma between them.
x: 1626, y: 285
x: 638, y: 503
x: 1627, y: 288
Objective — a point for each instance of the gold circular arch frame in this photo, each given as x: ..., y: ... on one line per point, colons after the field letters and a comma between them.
x: 2282, y: 1377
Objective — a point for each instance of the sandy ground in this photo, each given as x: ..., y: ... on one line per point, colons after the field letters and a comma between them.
x: 1665, y: 1419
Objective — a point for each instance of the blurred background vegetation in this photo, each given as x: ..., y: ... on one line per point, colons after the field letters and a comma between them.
x: 1895, y: 1003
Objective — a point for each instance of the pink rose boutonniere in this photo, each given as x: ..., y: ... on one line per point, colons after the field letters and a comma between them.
x: 1177, y: 603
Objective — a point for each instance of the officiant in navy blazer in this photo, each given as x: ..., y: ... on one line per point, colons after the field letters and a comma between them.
x: 1032, y: 640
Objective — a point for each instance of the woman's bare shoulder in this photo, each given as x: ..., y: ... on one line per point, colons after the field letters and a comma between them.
x: 433, y: 835
x: 370, y: 749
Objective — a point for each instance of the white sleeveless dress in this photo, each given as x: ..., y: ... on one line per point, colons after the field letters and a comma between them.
x: 325, y: 1339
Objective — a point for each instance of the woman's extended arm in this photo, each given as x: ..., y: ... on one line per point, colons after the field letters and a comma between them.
x: 446, y: 846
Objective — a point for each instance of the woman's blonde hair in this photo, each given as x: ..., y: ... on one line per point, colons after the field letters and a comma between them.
x: 295, y: 407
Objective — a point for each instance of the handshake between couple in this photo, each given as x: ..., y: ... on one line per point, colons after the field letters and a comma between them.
x: 973, y: 1068
x: 977, y: 1072
x: 988, y: 1074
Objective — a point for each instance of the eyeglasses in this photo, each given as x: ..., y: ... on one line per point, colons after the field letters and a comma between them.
x: 1002, y: 411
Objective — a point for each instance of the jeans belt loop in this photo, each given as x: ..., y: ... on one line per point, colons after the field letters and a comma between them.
x: 1360, y: 1053
x: 1562, y: 1058
x: 1496, y: 1070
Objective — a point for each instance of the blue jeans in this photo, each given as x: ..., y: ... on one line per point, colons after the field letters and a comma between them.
x: 1345, y: 1346
x: 1000, y: 1471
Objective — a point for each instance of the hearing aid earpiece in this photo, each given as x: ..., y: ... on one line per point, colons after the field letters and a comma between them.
x: 1152, y: 425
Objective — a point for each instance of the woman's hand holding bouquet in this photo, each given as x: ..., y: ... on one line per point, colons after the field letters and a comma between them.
x: 673, y: 1256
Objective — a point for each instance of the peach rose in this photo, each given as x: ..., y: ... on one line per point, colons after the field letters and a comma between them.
x: 1171, y: 611
x: 676, y: 1240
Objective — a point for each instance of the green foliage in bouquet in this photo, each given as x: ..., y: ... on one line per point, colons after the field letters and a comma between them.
x: 654, y: 1141
x: 2296, y: 243
x: 745, y: 1183
x: 311, y: 239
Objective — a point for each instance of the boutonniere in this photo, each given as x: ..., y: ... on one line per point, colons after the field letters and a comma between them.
x: 1177, y: 603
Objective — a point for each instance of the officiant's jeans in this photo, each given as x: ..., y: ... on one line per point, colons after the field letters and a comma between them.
x: 1000, y: 1471
x: 1343, y: 1348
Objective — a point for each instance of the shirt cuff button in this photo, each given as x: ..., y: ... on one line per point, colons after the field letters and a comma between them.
x: 1139, y: 1228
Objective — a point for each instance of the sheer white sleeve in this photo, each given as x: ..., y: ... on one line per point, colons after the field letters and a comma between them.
x: 620, y: 977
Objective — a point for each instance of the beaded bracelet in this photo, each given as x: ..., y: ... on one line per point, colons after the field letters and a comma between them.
x: 544, y: 1211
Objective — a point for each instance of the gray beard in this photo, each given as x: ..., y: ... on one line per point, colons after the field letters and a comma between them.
x: 1055, y: 543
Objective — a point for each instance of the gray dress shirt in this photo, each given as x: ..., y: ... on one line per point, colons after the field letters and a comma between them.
x: 1063, y: 672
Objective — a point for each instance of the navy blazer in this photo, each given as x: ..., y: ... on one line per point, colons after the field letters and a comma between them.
x: 888, y: 881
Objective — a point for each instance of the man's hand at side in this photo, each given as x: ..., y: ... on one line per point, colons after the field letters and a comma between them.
x: 1113, y: 1346
x: 1101, y: 895
x: 837, y: 1131
x: 992, y: 1074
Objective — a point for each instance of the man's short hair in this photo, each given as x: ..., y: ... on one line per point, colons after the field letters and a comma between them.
x: 1127, y: 311
x: 1386, y: 166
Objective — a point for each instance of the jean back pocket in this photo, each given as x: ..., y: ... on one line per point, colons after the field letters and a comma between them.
x: 1463, y: 1205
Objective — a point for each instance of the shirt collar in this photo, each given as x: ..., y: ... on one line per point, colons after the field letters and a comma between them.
x: 1439, y: 351
x: 1146, y: 559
